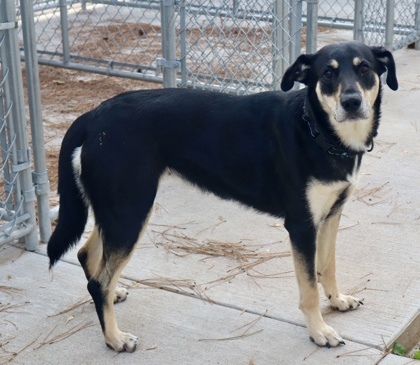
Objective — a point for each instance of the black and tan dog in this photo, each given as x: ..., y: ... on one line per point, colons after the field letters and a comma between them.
x: 294, y: 155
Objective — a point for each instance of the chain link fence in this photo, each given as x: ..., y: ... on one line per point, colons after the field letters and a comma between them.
x: 17, y: 194
x: 238, y: 45
x: 121, y: 38
x: 394, y: 24
x: 229, y: 45
x: 390, y: 23
x: 336, y: 13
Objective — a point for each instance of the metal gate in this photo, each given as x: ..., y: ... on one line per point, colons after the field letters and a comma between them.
x: 17, y: 211
x: 390, y: 23
x: 229, y: 45
x: 19, y: 187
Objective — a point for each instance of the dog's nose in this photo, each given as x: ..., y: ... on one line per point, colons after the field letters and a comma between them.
x: 351, y: 101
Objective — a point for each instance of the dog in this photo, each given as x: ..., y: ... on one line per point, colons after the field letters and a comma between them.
x: 294, y: 155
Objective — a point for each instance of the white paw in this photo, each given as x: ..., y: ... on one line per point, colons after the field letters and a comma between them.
x: 343, y: 302
x: 122, y: 341
x: 325, y: 336
x: 120, y: 295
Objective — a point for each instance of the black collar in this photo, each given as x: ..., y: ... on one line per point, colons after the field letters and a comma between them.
x: 322, y: 140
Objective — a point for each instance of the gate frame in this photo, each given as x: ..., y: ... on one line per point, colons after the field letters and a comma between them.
x: 23, y: 189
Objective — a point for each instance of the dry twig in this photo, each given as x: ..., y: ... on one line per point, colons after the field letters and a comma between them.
x: 251, y: 324
x: 373, y: 196
x: 10, y: 356
x: 62, y: 336
x: 6, y: 307
x: 9, y: 289
x: 180, y: 286
x: 230, y: 338
x: 73, y: 306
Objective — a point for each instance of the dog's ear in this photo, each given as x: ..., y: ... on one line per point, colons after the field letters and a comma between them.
x: 299, y: 71
x: 386, y: 62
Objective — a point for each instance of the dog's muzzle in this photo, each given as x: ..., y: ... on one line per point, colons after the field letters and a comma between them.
x: 351, y: 102
x: 351, y: 107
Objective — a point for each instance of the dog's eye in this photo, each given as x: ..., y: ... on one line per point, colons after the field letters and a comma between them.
x: 328, y: 74
x: 364, y: 68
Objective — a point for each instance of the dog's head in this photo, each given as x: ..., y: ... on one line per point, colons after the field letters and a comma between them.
x: 345, y: 78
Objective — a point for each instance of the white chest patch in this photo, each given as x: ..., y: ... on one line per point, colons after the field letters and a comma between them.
x: 322, y: 196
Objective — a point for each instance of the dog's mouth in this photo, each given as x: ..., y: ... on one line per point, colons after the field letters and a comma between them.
x: 342, y: 115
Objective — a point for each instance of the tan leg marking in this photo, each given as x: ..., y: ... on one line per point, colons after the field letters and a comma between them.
x: 319, y: 331
x: 108, y: 275
x: 325, y: 259
x: 108, y: 278
x: 93, y: 251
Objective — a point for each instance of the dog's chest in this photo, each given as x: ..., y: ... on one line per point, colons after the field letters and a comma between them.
x: 323, y: 197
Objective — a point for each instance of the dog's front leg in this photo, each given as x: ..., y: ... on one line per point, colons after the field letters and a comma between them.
x: 325, y: 256
x: 303, y: 240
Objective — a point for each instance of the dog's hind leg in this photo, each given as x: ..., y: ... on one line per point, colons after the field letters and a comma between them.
x: 90, y: 256
x: 101, y: 286
x: 118, y: 242
x: 326, y: 265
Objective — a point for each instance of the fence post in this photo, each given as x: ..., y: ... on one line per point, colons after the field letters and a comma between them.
x: 40, y: 174
x: 280, y: 51
x: 295, y: 30
x: 417, y: 23
x: 358, y: 34
x: 168, y: 63
x: 25, y: 191
x: 183, y: 43
x: 311, y: 26
x: 64, y: 31
x: 389, y: 24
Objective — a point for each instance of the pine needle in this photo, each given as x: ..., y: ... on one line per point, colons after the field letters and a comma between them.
x: 9, y: 289
x: 7, y: 307
x: 230, y: 338
x: 62, y: 336
x: 251, y: 324
x: 73, y: 306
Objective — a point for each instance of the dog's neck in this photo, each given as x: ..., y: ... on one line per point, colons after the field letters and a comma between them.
x: 324, y: 137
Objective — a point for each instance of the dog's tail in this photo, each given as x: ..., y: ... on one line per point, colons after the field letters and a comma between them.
x: 73, y: 212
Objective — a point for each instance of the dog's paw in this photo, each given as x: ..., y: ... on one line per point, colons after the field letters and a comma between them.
x: 122, y: 341
x: 325, y: 336
x: 120, y: 295
x: 344, y: 303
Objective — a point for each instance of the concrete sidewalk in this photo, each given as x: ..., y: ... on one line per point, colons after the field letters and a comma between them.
x: 242, y: 307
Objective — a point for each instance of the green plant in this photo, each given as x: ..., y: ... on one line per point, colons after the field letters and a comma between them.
x: 398, y: 349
